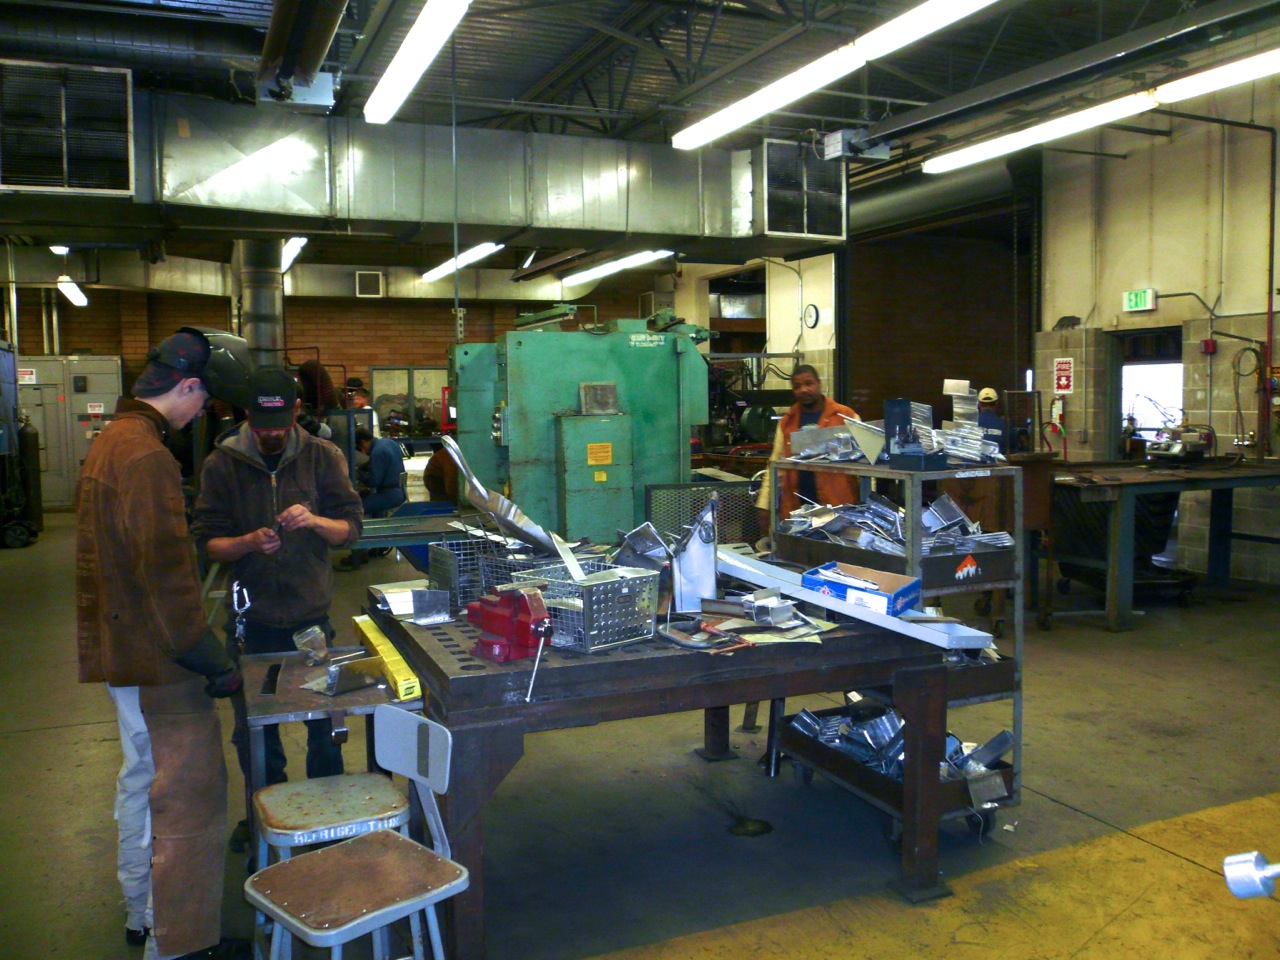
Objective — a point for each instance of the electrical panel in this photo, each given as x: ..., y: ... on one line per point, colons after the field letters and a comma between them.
x: 69, y: 400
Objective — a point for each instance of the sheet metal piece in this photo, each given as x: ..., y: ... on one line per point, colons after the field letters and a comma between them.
x: 505, y: 514
x: 693, y: 562
x: 430, y: 606
x: 951, y: 636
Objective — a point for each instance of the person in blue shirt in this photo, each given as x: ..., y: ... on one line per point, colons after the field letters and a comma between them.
x: 989, y: 419
x: 382, y: 483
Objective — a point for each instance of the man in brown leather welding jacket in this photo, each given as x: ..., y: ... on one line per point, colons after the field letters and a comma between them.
x: 141, y: 629
x: 274, y: 500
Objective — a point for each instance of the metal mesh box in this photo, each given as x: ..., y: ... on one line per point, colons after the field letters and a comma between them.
x: 672, y: 507
x: 502, y: 567
x: 613, y: 605
x: 454, y: 565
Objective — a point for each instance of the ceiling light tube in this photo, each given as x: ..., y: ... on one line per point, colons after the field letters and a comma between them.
x: 463, y: 259
x: 425, y: 39
x: 1055, y: 129
x: 915, y: 24
x: 927, y: 18
x: 59, y: 249
x: 292, y: 247
x: 1219, y: 78
x: 616, y: 266
x: 1257, y: 67
x: 71, y: 290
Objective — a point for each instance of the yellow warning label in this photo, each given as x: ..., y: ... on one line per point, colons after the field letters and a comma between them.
x: 599, y: 454
x: 601, y: 476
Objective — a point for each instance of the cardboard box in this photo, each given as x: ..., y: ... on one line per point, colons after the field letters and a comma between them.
x: 896, y: 594
x: 402, y: 680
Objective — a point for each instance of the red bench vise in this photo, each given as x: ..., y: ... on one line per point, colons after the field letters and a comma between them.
x: 512, y: 621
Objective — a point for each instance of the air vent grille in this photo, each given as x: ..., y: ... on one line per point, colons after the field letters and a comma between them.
x: 804, y: 193
x: 368, y: 283
x: 65, y: 128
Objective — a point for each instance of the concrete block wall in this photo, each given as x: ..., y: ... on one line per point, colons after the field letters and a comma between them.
x: 1210, y: 385
x: 1087, y: 411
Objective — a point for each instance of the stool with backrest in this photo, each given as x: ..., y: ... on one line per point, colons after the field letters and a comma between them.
x: 331, y: 896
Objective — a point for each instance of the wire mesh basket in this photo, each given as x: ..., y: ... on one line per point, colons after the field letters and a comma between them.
x: 502, y: 566
x: 454, y: 565
x: 612, y: 606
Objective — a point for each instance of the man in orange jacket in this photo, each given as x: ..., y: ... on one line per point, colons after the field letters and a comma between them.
x: 811, y: 409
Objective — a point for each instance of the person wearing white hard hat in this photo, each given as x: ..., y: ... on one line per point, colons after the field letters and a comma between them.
x: 992, y: 424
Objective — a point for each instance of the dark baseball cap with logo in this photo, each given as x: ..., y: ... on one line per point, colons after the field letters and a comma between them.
x: 273, y: 395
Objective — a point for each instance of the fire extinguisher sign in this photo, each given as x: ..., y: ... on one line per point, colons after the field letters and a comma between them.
x: 1064, y: 375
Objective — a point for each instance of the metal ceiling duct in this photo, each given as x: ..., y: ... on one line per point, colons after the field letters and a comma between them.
x: 105, y: 39
x: 298, y: 39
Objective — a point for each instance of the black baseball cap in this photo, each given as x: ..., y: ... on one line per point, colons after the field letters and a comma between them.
x: 177, y: 358
x: 273, y: 397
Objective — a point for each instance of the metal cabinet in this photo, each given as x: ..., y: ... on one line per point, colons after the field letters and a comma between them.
x: 940, y: 577
x: 69, y: 400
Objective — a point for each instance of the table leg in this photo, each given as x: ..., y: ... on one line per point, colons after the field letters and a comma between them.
x: 920, y: 695
x: 482, y: 757
x: 773, y: 753
x: 1221, y: 505
x: 715, y: 735
x: 1120, y: 562
x: 257, y: 779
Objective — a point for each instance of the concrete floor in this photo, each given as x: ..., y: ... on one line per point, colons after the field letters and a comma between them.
x: 617, y: 836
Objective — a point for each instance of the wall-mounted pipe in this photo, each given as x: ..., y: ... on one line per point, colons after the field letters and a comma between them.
x: 1264, y: 410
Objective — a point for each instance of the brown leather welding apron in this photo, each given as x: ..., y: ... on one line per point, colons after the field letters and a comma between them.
x: 188, y: 816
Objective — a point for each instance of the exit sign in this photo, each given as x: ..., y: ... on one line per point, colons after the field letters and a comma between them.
x: 1135, y: 300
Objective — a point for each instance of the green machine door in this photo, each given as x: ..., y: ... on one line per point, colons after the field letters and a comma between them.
x: 595, y: 476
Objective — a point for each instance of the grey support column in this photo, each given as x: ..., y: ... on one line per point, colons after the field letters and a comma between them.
x: 261, y: 299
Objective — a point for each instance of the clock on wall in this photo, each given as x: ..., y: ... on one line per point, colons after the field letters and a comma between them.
x: 810, y: 316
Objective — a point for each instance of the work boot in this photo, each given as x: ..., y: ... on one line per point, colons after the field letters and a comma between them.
x: 136, y: 938
x: 239, y: 840
x: 225, y: 949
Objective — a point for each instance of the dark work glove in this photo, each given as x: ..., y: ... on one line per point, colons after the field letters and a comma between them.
x: 225, y: 684
x: 210, y: 659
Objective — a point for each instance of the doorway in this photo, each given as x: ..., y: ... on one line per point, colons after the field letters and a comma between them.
x: 1151, y: 381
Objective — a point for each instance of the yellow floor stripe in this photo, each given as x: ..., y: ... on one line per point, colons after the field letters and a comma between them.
x: 1156, y: 894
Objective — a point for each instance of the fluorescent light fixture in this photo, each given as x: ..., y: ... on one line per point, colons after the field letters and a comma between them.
x: 429, y: 33
x: 1054, y: 129
x: 71, y: 290
x: 916, y: 23
x: 463, y: 259
x: 615, y: 266
x: 927, y: 18
x: 59, y: 249
x: 529, y: 259
x: 1219, y: 78
x: 1208, y: 81
x: 292, y: 247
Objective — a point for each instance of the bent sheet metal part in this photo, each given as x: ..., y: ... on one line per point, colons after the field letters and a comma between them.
x: 506, y: 514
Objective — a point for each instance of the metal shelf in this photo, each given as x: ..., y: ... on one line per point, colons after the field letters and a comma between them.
x: 913, y: 483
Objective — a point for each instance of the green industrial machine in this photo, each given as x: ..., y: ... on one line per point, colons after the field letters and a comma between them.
x: 573, y: 425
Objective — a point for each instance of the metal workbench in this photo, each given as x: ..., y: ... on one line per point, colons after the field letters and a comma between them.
x: 483, y: 704
x: 1120, y: 484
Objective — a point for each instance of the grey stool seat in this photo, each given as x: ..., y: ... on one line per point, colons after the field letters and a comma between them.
x: 331, y: 896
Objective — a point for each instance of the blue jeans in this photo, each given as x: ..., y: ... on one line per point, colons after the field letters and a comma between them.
x: 381, y: 502
x: 324, y: 757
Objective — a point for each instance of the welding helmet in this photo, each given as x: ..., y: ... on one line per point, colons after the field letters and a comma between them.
x: 226, y: 372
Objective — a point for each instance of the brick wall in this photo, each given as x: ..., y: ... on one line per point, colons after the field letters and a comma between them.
x: 347, y: 334
x: 923, y: 310
x: 94, y: 329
